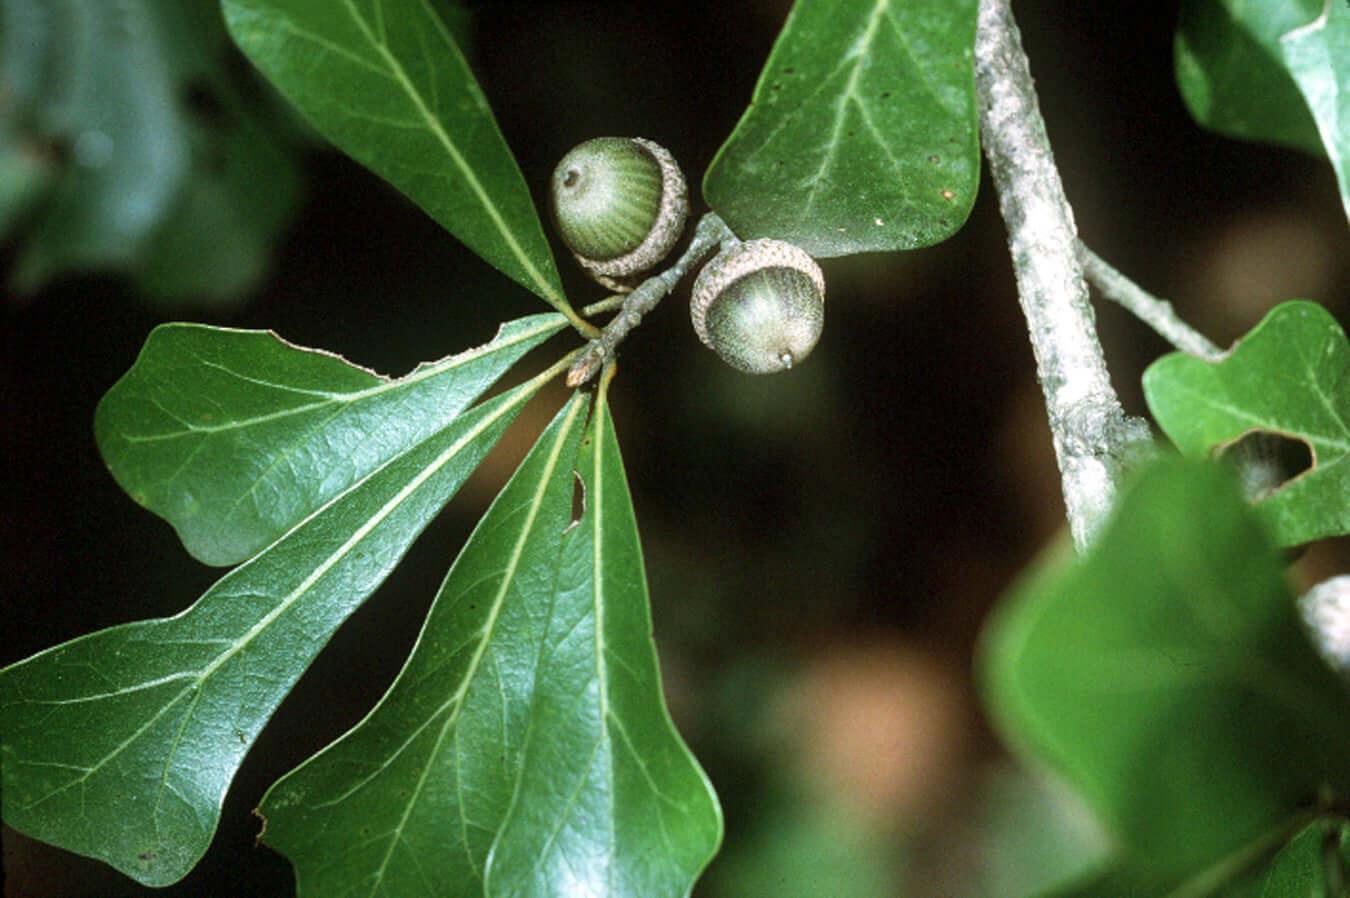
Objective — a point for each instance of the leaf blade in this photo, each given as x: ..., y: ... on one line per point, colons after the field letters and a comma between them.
x: 1275, y: 72
x: 634, y: 815
x: 1229, y: 74
x: 235, y: 436
x: 404, y: 770
x: 1167, y: 677
x: 388, y: 85
x: 1317, y: 55
x: 110, y: 721
x: 1289, y: 376
x: 867, y: 112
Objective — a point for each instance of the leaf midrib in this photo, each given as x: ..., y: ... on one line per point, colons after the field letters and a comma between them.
x: 200, y: 678
x: 456, y: 701
x: 434, y: 126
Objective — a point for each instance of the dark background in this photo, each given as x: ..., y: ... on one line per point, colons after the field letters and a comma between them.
x: 822, y: 545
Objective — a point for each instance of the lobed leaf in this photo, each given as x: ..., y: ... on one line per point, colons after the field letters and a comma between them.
x: 862, y: 133
x: 609, y: 802
x: 122, y: 743
x: 386, y: 83
x: 1167, y: 677
x: 408, y: 801
x: 1289, y: 376
x: 235, y: 436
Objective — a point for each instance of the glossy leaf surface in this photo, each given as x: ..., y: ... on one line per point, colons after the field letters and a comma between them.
x: 1167, y: 678
x: 386, y: 83
x: 862, y: 133
x: 1290, y: 376
x: 235, y: 436
x: 609, y: 803
x: 417, y: 800
x: 121, y: 744
x: 407, y: 802
x: 1276, y: 71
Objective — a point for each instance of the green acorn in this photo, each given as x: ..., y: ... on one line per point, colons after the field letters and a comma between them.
x: 620, y: 204
x: 760, y: 305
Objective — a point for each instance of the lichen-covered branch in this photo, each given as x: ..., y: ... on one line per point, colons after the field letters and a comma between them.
x: 1094, y: 440
x: 1156, y: 313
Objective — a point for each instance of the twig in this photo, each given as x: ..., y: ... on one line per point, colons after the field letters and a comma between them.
x: 710, y: 233
x: 1094, y: 440
x: 1156, y: 313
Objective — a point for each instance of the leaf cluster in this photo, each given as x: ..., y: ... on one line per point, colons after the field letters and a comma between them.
x: 525, y: 748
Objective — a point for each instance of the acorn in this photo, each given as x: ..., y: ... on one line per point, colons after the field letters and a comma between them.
x: 760, y: 305
x: 620, y: 204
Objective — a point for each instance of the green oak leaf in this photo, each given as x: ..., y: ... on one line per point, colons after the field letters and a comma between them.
x: 408, y: 801
x: 122, y: 743
x: 234, y: 436
x: 609, y: 801
x: 1318, y: 56
x: 862, y: 133
x: 386, y: 83
x: 1276, y: 71
x: 1167, y: 677
x: 1290, y: 376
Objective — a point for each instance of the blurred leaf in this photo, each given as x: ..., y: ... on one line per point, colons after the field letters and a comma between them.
x: 167, y: 173
x: 106, y: 93
x: 862, y: 134
x: 1167, y: 677
x: 1032, y: 833
x: 796, y: 848
x: 25, y: 176
x: 1318, y: 56
x: 1311, y: 865
x: 1230, y: 71
x: 609, y: 801
x: 1277, y: 71
x: 408, y: 801
x: 234, y: 436
x: 1290, y: 376
x: 216, y: 242
x: 386, y: 83
x: 121, y: 744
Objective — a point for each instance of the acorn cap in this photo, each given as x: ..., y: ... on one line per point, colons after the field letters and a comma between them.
x: 760, y: 305
x: 620, y: 205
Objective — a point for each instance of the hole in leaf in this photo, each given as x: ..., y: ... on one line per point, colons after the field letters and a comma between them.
x: 1266, y: 461
x: 578, y: 500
